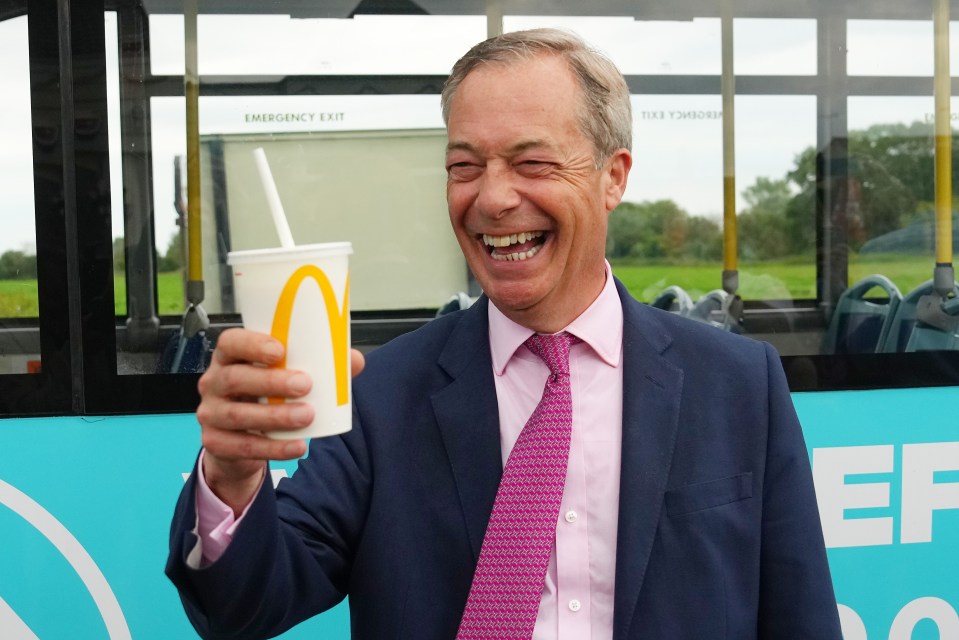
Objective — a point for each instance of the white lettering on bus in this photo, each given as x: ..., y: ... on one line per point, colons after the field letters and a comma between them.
x: 940, y: 612
x: 835, y: 496
x: 922, y: 496
x: 933, y: 609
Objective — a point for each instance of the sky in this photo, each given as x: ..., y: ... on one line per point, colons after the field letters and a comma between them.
x: 677, y: 139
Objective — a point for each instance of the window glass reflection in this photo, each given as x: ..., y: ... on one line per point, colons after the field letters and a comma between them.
x: 669, y: 230
x: 281, y: 45
x: 775, y: 47
x: 892, y: 190
x: 19, y: 303
x: 656, y: 47
x: 824, y: 183
x: 18, y: 270
x: 895, y: 48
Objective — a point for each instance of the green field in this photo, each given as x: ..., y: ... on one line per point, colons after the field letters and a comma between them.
x: 170, y: 292
x: 793, y: 279
x: 780, y: 280
x: 18, y: 298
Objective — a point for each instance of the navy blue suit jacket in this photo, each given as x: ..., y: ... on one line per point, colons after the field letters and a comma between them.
x: 719, y: 534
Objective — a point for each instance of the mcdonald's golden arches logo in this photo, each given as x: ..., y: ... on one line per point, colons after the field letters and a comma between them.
x: 338, y: 321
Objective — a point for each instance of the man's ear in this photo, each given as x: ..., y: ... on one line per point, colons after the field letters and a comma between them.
x: 617, y: 171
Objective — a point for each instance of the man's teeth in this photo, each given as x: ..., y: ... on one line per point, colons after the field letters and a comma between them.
x: 506, y: 241
x: 516, y: 238
x: 519, y: 255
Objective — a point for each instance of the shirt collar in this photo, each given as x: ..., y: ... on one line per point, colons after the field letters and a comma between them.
x: 600, y: 326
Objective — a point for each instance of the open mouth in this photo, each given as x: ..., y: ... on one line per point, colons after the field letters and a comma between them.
x: 515, y: 247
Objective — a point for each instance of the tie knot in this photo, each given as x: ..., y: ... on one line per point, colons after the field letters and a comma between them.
x: 553, y: 349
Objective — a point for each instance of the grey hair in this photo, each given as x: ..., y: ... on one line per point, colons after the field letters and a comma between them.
x: 605, y: 114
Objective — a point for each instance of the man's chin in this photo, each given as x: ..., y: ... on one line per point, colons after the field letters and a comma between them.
x: 518, y: 298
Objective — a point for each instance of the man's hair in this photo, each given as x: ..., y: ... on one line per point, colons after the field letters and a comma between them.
x: 605, y: 117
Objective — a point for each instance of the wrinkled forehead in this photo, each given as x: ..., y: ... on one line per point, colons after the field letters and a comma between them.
x: 533, y: 68
x: 539, y: 75
x: 523, y: 61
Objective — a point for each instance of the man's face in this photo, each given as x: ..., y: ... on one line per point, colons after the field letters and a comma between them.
x: 527, y: 204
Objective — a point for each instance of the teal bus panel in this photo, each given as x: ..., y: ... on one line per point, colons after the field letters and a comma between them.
x: 886, y: 465
x: 85, y: 505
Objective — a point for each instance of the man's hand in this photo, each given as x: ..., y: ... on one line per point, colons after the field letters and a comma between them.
x: 229, y: 412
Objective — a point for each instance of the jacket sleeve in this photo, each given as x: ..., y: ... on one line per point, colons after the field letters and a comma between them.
x: 290, y: 557
x: 796, y: 592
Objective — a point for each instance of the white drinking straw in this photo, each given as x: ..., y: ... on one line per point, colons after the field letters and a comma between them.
x: 273, y: 199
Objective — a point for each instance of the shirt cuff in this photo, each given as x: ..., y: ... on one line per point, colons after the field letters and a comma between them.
x: 215, y: 522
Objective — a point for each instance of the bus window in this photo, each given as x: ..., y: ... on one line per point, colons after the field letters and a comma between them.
x: 775, y: 226
x: 663, y: 223
x: 364, y: 168
x: 302, y: 45
x: 19, y: 303
x: 876, y: 48
x: 775, y: 47
x: 828, y: 187
x: 891, y: 189
x: 668, y: 232
x: 774, y: 175
x: 658, y: 47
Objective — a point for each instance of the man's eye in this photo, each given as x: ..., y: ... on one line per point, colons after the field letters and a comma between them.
x: 533, y: 167
x: 462, y: 170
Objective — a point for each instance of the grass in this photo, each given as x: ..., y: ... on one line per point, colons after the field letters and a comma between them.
x: 791, y: 278
x: 788, y: 279
x: 18, y: 298
x: 171, y: 300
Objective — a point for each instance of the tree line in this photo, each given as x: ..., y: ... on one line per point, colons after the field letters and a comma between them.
x: 172, y: 260
x: 19, y: 265
x: 883, y: 187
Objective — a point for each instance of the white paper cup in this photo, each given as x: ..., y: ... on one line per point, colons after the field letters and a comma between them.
x: 300, y: 296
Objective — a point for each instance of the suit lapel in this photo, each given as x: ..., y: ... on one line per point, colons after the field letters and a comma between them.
x: 468, y: 417
x: 652, y: 390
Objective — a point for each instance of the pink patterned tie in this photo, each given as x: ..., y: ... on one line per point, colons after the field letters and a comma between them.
x: 508, y: 583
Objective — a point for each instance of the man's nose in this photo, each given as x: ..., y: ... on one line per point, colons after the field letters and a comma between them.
x: 498, y: 193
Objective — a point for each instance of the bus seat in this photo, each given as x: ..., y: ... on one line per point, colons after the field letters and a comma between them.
x: 926, y: 338
x: 183, y: 354
x: 859, y: 325
x: 906, y: 333
x: 673, y: 299
x: 708, y: 303
x: 457, y: 302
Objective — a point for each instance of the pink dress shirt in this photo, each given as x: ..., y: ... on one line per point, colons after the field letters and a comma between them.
x: 577, y: 602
